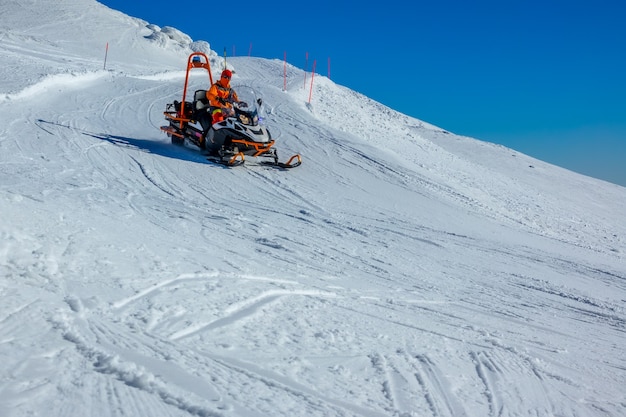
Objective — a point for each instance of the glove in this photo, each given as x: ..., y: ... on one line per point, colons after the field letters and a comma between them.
x: 242, y: 104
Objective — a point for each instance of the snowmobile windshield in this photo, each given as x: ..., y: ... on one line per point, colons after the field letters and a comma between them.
x: 247, y: 116
x: 248, y: 110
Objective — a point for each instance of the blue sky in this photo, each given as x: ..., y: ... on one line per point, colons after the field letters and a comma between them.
x: 547, y: 78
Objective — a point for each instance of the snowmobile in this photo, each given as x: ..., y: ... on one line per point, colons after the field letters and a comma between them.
x: 227, y: 142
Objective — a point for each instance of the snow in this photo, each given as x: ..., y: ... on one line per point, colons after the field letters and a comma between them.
x: 402, y: 270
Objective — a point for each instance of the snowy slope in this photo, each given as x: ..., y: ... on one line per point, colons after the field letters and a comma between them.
x: 400, y: 271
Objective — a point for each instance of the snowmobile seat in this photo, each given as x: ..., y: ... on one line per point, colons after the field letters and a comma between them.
x: 200, y: 104
x: 201, y: 109
x: 199, y: 100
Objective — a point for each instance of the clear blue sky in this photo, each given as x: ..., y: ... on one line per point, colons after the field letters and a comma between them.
x: 545, y: 77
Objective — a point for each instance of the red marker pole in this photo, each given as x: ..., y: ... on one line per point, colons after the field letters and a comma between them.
x: 306, y: 64
x: 329, y: 68
x: 285, y: 73
x: 312, y: 76
x: 106, y: 52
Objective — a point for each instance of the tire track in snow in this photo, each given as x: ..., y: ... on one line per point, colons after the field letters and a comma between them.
x: 317, y: 403
x: 151, y: 179
x: 487, y: 371
x: 440, y: 398
x: 414, y: 386
x: 137, y: 368
x: 508, y: 380
x: 160, y: 285
x: 244, y: 309
x: 399, y: 385
x: 136, y: 361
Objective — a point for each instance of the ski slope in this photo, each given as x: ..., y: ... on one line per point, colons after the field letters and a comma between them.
x: 401, y: 270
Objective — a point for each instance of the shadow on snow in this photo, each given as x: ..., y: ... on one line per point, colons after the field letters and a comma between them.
x: 156, y: 147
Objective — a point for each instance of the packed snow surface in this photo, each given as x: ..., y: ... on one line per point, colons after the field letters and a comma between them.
x: 401, y: 270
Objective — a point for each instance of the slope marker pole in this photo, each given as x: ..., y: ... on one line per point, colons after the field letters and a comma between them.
x: 312, y: 76
x: 306, y: 64
x: 285, y: 73
x: 106, y: 52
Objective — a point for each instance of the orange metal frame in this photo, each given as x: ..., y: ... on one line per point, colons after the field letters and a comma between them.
x: 203, y: 62
x: 258, y: 147
x: 191, y: 64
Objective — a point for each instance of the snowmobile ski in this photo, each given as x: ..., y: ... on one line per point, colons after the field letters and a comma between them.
x: 293, y: 162
x: 230, y: 160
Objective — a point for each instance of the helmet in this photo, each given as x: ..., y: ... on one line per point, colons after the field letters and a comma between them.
x: 227, y: 74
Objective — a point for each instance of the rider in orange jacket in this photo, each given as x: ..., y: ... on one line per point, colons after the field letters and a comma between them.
x: 221, y: 97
